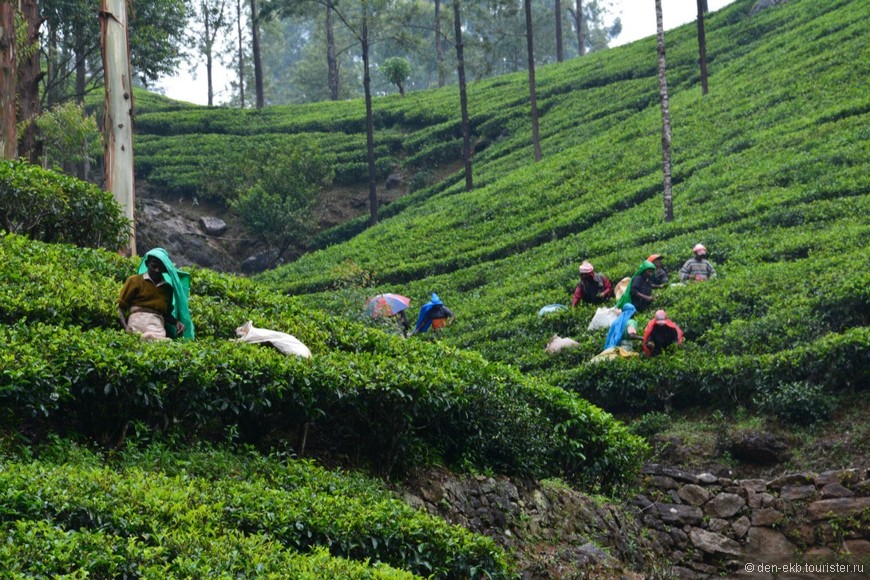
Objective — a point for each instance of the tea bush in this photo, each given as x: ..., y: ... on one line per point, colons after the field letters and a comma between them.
x: 53, y: 207
x: 72, y: 511
x: 797, y: 403
x: 395, y: 403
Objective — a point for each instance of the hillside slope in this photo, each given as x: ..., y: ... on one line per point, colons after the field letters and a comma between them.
x: 770, y: 173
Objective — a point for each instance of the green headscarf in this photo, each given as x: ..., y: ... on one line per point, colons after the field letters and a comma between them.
x: 626, y: 297
x: 180, y: 282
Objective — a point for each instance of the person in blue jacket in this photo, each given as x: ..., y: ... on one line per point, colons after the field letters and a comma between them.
x: 433, y: 314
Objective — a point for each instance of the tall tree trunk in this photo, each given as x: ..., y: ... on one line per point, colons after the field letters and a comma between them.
x: 370, y: 130
x: 557, y: 8
x: 463, y: 98
x: 702, y: 45
x: 30, y: 74
x: 578, y: 22
x: 83, y: 169
x: 258, y: 59
x: 8, y: 79
x: 118, y: 115
x: 533, y: 101
x: 241, y: 54
x: 703, y: 6
x: 666, y: 116
x: 439, y: 47
x: 331, y: 61
x: 208, y: 60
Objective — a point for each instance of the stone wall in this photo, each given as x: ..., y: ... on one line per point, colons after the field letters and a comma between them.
x: 713, y: 525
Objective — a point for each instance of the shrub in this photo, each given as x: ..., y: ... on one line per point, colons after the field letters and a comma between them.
x: 796, y: 403
x: 650, y: 424
x: 52, y: 207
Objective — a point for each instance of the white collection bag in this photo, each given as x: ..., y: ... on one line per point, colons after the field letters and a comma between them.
x: 286, y: 343
x: 604, y: 317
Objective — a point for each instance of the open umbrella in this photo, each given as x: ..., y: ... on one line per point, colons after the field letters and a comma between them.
x: 387, y: 305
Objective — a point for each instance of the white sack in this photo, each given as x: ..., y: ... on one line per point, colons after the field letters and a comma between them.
x: 558, y: 343
x: 286, y: 343
x: 604, y: 317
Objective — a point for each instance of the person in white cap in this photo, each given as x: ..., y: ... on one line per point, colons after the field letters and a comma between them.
x: 592, y: 288
x: 697, y: 268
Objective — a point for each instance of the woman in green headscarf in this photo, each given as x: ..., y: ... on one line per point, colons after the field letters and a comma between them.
x: 153, y: 302
x: 639, y: 289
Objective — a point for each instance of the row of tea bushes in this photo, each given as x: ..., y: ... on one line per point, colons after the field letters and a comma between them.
x: 153, y: 512
x: 397, y: 403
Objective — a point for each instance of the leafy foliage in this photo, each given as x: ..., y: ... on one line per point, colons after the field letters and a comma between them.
x: 53, y: 207
x: 161, y: 513
x: 394, y: 403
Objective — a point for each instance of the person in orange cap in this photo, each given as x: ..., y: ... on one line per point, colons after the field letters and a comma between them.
x: 592, y: 288
x: 697, y: 268
x: 660, y: 278
x: 660, y: 333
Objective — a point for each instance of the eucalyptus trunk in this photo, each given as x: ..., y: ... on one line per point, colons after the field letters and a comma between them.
x: 439, y: 46
x: 702, y: 45
x: 370, y: 129
x: 331, y: 61
x: 560, y: 52
x: 463, y: 97
x: 578, y: 22
x: 8, y: 78
x: 30, y: 75
x: 118, y: 115
x: 533, y: 101
x: 666, y: 116
x: 258, y: 59
x: 241, y: 54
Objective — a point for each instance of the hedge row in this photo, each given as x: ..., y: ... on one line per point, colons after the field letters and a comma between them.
x: 54, y: 207
x: 259, y: 516
x: 398, y: 403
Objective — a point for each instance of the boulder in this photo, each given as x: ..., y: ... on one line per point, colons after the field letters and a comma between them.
x: 759, y: 448
x: 837, y: 508
x: 679, y: 514
x: 693, y: 494
x: 259, y: 262
x: 724, y: 505
x: 713, y: 543
x: 213, y: 226
x: 765, y: 542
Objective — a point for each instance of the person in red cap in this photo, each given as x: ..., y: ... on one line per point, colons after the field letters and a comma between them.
x: 660, y: 278
x: 697, y: 268
x: 660, y: 333
x: 592, y: 288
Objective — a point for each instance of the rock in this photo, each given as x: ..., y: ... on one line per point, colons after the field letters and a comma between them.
x: 693, y: 494
x: 707, y: 478
x: 792, y: 479
x: 260, y: 262
x: 858, y: 548
x: 819, y: 553
x: 724, y: 505
x: 766, y: 517
x: 765, y: 542
x: 663, y: 482
x: 755, y: 485
x: 718, y: 525
x: 759, y: 448
x: 796, y: 492
x: 213, y: 226
x: 833, y: 490
x: 679, y: 514
x: 713, y: 543
x: 837, y: 476
x: 740, y: 526
x: 678, y: 474
x: 837, y: 508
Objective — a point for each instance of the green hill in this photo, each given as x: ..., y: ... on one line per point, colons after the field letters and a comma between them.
x: 770, y: 173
